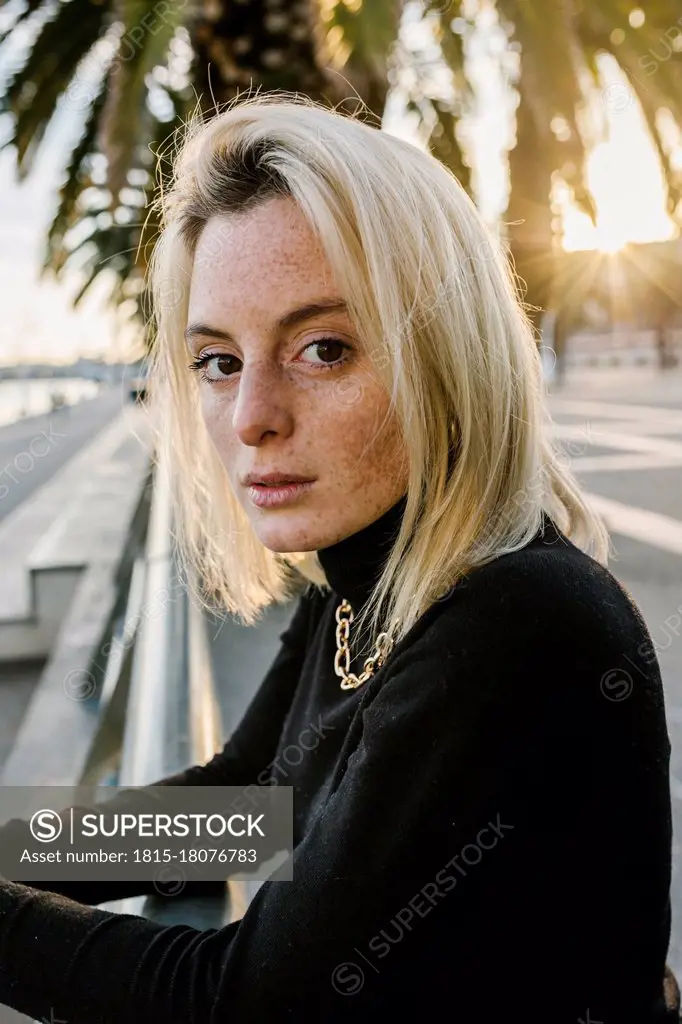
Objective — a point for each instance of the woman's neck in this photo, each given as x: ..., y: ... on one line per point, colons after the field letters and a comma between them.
x: 353, y: 565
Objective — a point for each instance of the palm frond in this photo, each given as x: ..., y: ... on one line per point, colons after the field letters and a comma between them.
x: 635, y: 50
x: 120, y: 248
x: 24, y: 15
x: 650, y: 104
x: 437, y: 88
x: 126, y: 117
x: 640, y: 47
x: 33, y: 91
x: 76, y: 180
x: 550, y: 84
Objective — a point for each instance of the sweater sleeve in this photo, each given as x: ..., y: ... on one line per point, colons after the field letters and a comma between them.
x: 243, y: 757
x: 436, y: 804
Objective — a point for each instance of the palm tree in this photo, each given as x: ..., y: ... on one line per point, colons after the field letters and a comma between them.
x: 559, y: 43
x: 133, y: 69
x: 551, y: 63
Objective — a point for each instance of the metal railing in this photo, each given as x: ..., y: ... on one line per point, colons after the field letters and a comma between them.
x: 146, y: 705
x: 173, y: 716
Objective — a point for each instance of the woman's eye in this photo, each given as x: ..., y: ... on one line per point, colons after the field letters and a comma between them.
x: 333, y: 351
x: 222, y: 361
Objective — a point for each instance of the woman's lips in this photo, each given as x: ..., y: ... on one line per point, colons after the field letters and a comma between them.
x: 271, y: 495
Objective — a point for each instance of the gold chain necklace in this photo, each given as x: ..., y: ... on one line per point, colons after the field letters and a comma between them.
x: 383, y: 647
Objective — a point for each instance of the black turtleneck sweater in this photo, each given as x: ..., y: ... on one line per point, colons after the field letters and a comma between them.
x: 482, y: 830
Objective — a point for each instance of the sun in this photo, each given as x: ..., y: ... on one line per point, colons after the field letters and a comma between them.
x: 608, y: 241
x: 630, y: 208
x: 625, y: 178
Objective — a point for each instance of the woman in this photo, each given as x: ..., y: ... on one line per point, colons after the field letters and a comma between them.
x: 345, y: 384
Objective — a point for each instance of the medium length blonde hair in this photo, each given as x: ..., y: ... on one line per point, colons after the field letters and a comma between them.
x: 441, y: 320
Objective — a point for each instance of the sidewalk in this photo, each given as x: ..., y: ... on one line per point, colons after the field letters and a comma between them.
x: 643, y: 385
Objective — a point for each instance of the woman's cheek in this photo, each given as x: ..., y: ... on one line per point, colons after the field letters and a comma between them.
x: 217, y: 416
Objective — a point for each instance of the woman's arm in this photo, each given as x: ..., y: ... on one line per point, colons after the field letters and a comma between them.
x: 458, y: 836
x: 243, y: 758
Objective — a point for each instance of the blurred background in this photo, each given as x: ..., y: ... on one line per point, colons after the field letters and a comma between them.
x: 561, y: 118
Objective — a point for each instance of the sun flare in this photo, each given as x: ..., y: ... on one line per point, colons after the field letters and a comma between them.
x: 626, y: 180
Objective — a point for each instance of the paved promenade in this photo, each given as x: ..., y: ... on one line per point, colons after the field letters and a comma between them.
x: 32, y: 450
x: 622, y: 430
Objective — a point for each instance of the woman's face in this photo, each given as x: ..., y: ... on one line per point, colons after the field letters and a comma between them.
x: 291, y: 391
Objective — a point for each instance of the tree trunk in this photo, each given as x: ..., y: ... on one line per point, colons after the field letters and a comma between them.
x: 529, y: 215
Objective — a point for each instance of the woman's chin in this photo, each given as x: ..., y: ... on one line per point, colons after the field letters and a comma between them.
x: 288, y: 530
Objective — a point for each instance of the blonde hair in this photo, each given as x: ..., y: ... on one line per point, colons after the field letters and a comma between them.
x: 442, y: 323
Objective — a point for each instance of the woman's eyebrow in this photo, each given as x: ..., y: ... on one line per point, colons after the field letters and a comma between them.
x: 290, y: 319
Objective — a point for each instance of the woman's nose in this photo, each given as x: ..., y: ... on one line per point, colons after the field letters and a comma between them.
x: 261, y: 405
